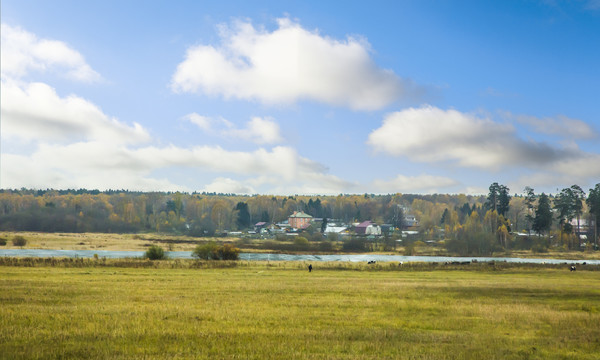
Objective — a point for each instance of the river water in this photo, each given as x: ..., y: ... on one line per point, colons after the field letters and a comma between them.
x: 283, y: 257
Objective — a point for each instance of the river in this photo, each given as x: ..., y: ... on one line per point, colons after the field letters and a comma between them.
x: 284, y: 257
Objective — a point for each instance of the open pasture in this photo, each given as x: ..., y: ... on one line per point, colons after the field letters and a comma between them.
x: 281, y: 311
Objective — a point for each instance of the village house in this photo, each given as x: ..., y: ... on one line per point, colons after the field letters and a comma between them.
x: 299, y: 220
x: 261, y: 227
x: 410, y: 221
x: 368, y: 228
x: 333, y: 229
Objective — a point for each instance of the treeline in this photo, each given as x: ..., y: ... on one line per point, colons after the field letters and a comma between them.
x: 466, y: 224
x: 549, y: 218
x: 202, y: 214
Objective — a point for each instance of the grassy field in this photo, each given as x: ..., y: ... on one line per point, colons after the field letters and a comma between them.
x: 99, y: 241
x: 252, y: 310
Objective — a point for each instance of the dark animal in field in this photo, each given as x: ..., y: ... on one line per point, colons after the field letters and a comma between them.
x: 371, y: 262
x: 573, y: 268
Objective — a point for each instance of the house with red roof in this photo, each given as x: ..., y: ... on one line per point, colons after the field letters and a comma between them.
x: 367, y: 228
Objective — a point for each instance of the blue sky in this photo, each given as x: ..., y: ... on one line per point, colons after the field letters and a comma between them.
x: 300, y: 97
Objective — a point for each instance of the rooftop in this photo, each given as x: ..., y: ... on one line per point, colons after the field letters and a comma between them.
x: 300, y: 214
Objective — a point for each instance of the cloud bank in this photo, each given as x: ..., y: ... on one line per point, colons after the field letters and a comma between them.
x: 96, y: 164
x: 407, y: 184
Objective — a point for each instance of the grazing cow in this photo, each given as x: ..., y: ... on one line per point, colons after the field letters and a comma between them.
x: 573, y: 268
x: 371, y: 262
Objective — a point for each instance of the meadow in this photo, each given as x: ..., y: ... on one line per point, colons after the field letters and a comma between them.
x: 256, y: 310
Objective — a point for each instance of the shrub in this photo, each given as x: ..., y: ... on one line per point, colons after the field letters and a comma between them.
x: 300, y: 241
x: 229, y: 252
x: 212, y: 251
x: 155, y: 252
x: 326, y: 245
x: 208, y: 251
x: 333, y: 237
x: 539, y: 248
x: 355, y: 244
x: 19, y: 241
x: 300, y: 244
x: 316, y: 236
x: 409, y: 249
x: 2, y: 241
x: 419, y: 243
x: 281, y: 237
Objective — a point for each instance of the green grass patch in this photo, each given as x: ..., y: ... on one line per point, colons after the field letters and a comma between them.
x: 256, y: 310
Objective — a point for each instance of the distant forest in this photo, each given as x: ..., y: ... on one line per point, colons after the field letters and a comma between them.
x: 461, y: 221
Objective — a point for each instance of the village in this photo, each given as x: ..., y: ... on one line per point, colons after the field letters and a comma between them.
x: 300, y: 222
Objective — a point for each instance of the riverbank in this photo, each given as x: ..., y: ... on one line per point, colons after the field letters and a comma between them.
x: 180, y: 263
x: 141, y: 242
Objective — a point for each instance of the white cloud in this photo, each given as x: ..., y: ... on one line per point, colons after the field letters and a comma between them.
x: 103, y: 165
x: 258, y: 130
x: 41, y: 171
x: 559, y: 125
x: 585, y: 167
x: 287, y: 65
x: 429, y: 134
x: 584, y: 172
x: 228, y: 186
x: 23, y: 52
x: 413, y: 184
x: 203, y: 122
x: 36, y: 112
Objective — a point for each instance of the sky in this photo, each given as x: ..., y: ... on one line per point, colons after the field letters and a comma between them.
x: 300, y: 97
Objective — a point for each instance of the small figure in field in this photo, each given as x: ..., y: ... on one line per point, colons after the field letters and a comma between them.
x: 309, y: 267
x: 573, y: 268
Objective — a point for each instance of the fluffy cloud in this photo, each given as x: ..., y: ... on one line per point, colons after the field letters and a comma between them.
x: 413, y: 184
x: 429, y: 134
x: 287, y: 65
x: 258, y: 130
x: 36, y: 112
x: 22, y: 52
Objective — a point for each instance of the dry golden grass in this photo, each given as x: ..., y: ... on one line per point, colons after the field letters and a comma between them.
x: 280, y: 311
x: 100, y: 241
